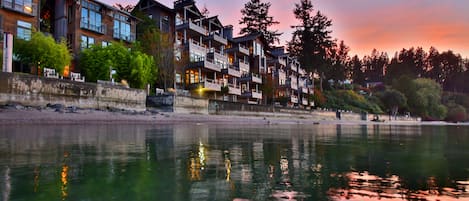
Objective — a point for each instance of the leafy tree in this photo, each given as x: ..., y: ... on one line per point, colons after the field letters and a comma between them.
x: 160, y: 45
x: 393, y: 100
x: 456, y: 113
x: 424, y: 99
x: 311, y: 41
x: 256, y: 18
x: 43, y: 51
x: 131, y: 65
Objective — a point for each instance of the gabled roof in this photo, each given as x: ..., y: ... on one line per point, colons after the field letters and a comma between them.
x: 154, y: 3
x: 214, y: 20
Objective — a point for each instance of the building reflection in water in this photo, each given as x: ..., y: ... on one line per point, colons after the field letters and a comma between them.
x: 217, y: 162
x: 366, y: 186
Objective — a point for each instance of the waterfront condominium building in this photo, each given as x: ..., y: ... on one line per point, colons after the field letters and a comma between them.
x: 88, y: 22
x: 292, y: 85
x: 199, y: 41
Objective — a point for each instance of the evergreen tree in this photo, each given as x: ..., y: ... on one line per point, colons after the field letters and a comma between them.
x: 311, y: 40
x: 256, y: 18
x: 356, y: 69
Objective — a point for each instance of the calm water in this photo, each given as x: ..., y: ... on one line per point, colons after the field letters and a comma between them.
x: 200, y: 162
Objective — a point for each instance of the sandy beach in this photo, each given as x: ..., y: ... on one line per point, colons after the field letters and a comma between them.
x: 51, y: 115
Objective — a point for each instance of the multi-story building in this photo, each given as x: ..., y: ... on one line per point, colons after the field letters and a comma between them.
x: 251, y: 60
x: 292, y: 84
x: 199, y: 41
x: 17, y: 19
x: 89, y: 22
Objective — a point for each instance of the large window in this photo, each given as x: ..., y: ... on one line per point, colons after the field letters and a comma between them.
x: 24, y: 6
x: 86, y: 42
x: 24, y: 30
x: 122, y: 27
x: 91, y: 17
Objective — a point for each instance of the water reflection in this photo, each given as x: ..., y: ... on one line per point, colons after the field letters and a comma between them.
x: 200, y: 162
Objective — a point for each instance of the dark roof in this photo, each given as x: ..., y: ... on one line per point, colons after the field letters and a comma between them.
x: 247, y: 37
x: 157, y: 4
x: 113, y: 8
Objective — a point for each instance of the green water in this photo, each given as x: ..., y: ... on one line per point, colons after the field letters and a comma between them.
x: 216, y: 162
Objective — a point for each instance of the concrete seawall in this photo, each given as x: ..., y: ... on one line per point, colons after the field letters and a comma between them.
x: 32, y: 90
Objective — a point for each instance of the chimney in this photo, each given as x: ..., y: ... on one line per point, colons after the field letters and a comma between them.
x: 228, y: 32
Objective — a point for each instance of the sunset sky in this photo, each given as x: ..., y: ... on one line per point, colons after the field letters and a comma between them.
x: 387, y: 25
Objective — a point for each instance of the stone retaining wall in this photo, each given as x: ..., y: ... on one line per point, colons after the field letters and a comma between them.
x: 32, y: 90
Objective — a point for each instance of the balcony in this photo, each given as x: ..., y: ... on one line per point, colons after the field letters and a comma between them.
x: 211, y: 85
x: 217, y: 55
x: 293, y: 67
x: 217, y: 38
x: 195, y: 46
x: 282, y: 61
x: 251, y: 77
x: 231, y: 70
x: 304, y: 101
x: 30, y: 10
x: 304, y: 90
x: 191, y: 26
x: 101, y: 28
x: 239, y: 48
x: 294, y: 99
x: 292, y: 82
x: 242, y: 65
x: 207, y: 64
x: 235, y: 90
x: 252, y: 94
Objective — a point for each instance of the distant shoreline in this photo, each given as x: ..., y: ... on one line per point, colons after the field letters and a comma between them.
x: 51, y: 116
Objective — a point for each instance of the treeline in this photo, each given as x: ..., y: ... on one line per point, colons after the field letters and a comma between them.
x: 447, y: 68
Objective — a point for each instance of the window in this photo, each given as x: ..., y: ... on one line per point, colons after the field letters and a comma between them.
x: 164, y: 24
x: 24, y: 30
x: 24, y: 6
x: 105, y: 43
x: 86, y: 42
x: 91, y: 17
x: 122, y: 27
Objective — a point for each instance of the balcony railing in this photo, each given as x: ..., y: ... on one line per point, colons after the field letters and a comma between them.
x: 195, y: 46
x: 243, y: 65
x: 252, y: 94
x: 304, y: 101
x: 233, y: 71
x: 294, y: 99
x: 243, y: 49
x: 282, y: 61
x: 251, y: 77
x: 99, y: 28
x: 212, y: 85
x: 218, y: 38
x: 235, y: 90
x: 22, y: 8
x: 192, y: 26
x: 217, y: 54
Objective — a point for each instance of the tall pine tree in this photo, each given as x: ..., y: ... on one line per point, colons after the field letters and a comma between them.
x: 256, y: 18
x: 311, y: 40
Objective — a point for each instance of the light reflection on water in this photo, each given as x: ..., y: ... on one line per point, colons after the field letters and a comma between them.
x: 200, y: 162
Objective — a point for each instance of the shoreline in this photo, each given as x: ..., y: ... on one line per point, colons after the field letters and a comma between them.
x: 14, y: 115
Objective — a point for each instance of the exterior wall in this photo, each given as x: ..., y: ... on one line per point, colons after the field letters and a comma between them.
x: 189, y: 105
x: 9, y: 18
x: 38, y: 91
x: 70, y: 28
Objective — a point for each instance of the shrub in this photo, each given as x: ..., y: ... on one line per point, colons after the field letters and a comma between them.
x: 456, y: 113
